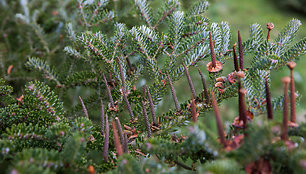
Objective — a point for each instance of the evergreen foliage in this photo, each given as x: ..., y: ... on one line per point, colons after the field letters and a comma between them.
x: 45, y: 130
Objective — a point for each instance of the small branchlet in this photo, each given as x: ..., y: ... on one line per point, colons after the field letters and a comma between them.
x: 218, y: 119
x: 240, y: 51
x: 152, y: 107
x: 106, y: 139
x: 84, y: 108
x: 268, y: 99
x: 190, y: 81
x: 117, y: 143
x: 207, y: 99
x: 177, y: 106
x: 284, y: 136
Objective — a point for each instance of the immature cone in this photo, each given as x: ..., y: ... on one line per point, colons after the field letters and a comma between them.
x: 235, y: 59
x: 240, y: 75
x: 194, y: 112
x: 190, y: 81
x: 286, y: 81
x: 84, y: 107
x: 243, y: 108
x: 240, y: 51
x: 109, y: 93
x: 117, y: 143
x: 204, y: 87
x: 146, y: 119
x: 291, y: 66
x: 118, y: 125
x: 270, y: 26
x: 125, y: 143
x: 268, y: 99
x: 218, y: 119
x: 177, y: 106
x: 124, y: 91
x: 106, y: 139
x: 152, y: 107
x: 102, y: 117
x: 145, y: 115
x: 213, y: 66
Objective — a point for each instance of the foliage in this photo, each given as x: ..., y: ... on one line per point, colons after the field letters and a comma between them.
x: 123, y: 71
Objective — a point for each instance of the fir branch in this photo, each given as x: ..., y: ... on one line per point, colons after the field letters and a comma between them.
x: 198, y: 8
x: 145, y: 11
x: 42, y: 66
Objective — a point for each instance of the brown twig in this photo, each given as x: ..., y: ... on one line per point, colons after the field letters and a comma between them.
x: 207, y: 100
